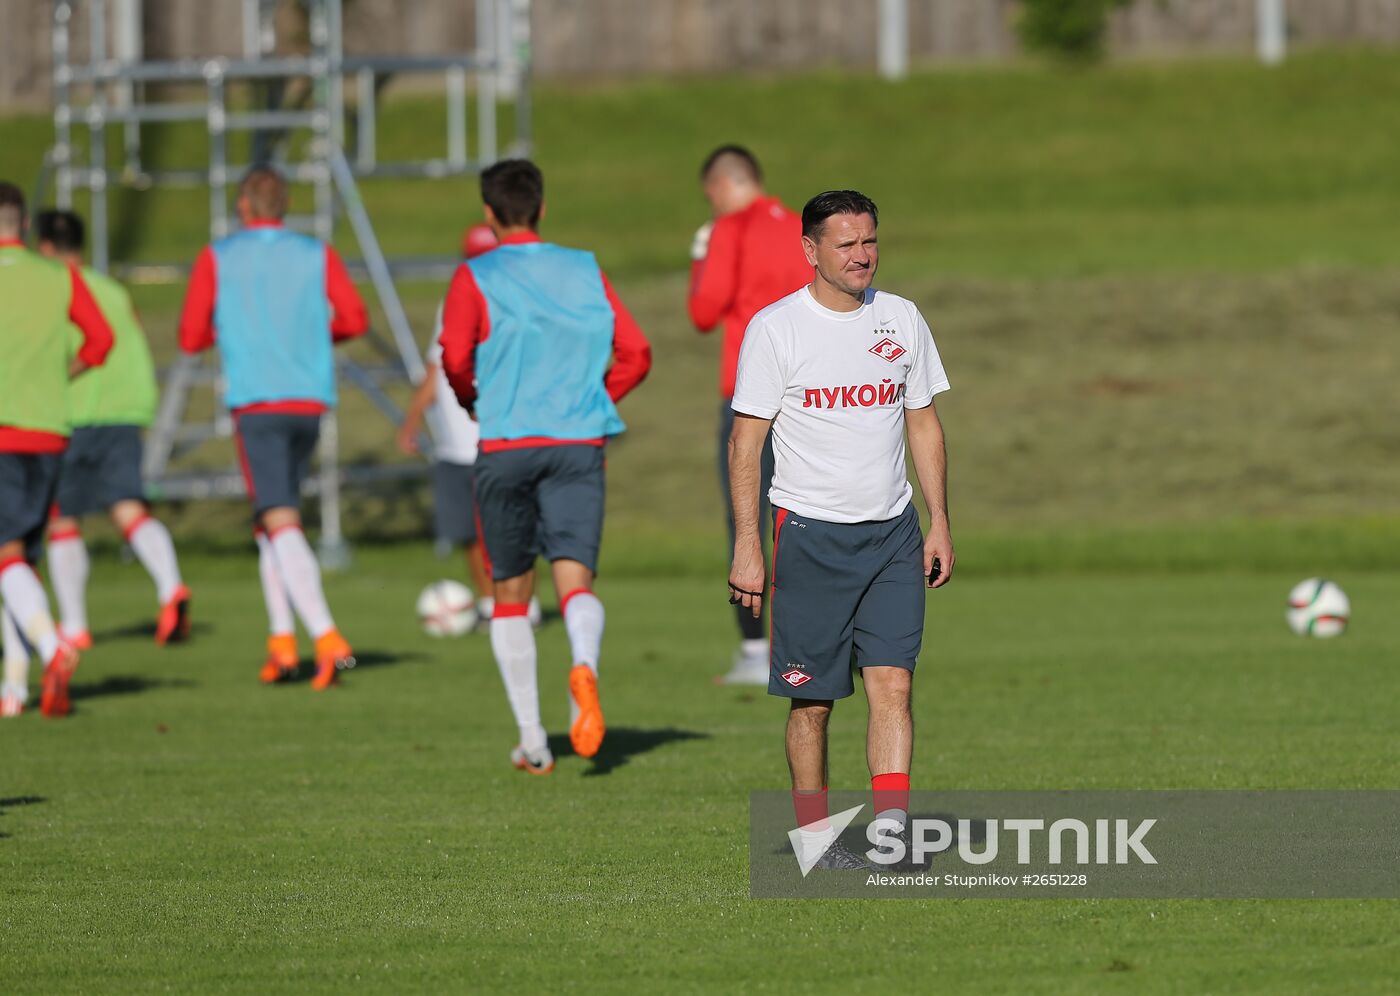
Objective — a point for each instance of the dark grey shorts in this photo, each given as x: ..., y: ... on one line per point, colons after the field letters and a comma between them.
x: 454, y: 502
x: 27, y: 483
x: 843, y: 595
x: 540, y: 500
x: 101, y: 467
x: 275, y: 452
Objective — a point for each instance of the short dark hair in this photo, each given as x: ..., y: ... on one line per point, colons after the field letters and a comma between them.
x: 747, y: 160
x: 11, y: 205
x: 824, y: 205
x: 266, y: 190
x: 63, y: 229
x: 514, y: 191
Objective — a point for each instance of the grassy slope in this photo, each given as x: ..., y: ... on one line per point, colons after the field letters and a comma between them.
x: 1162, y: 291
x: 201, y: 832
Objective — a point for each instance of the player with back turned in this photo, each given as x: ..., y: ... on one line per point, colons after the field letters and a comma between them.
x: 745, y: 259
x: 841, y: 373
x: 536, y: 343
x: 40, y: 299
x: 274, y: 302
x: 101, y: 471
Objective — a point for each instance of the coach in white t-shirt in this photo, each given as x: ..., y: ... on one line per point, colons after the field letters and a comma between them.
x: 841, y: 373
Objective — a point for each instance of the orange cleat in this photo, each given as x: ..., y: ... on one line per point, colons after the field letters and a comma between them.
x: 333, y: 655
x: 53, y: 702
x: 173, y: 624
x: 11, y: 706
x: 533, y: 762
x: 81, y: 640
x: 586, y: 734
x: 282, y: 661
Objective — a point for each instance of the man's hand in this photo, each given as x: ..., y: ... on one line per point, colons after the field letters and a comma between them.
x: 747, y: 576
x: 939, y: 544
x: 407, y: 439
x: 76, y: 368
x: 700, y: 245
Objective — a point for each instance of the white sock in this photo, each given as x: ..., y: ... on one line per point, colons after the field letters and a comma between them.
x: 151, y: 542
x: 279, y: 609
x: 16, y: 679
x: 513, y: 643
x: 815, y: 842
x: 754, y: 648
x: 68, y: 568
x: 25, y: 600
x: 583, y: 619
x: 301, y: 575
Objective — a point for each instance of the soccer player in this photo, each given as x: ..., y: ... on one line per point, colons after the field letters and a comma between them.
x: 40, y: 299
x: 101, y: 469
x: 528, y: 332
x: 455, y: 442
x: 841, y: 373
x: 745, y: 259
x: 274, y: 302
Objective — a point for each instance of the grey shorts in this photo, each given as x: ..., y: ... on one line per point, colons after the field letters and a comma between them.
x: 101, y: 467
x: 275, y: 453
x: 27, y: 482
x: 843, y: 595
x: 540, y: 500
x: 454, y: 502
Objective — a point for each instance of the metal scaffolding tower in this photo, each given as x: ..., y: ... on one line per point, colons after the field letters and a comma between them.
x: 110, y: 90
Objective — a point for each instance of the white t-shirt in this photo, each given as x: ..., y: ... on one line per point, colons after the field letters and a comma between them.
x: 455, y: 433
x: 836, y: 385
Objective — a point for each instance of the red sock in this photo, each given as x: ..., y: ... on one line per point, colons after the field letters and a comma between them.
x: 810, y: 807
x: 891, y: 791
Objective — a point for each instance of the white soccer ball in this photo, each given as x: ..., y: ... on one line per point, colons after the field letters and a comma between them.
x: 447, y: 608
x: 1318, y: 607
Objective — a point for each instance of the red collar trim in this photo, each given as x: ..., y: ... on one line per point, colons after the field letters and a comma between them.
x: 264, y: 223
x: 521, y: 238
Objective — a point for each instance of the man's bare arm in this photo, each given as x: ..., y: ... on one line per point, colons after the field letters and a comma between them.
x: 747, y: 575
x: 930, y: 456
x: 423, y: 396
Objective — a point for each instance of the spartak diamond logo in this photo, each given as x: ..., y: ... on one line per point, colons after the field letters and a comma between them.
x: 796, y: 678
x: 888, y: 349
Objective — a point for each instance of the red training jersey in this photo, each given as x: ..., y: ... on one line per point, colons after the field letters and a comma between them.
x: 97, y: 343
x: 349, y: 317
x: 755, y: 258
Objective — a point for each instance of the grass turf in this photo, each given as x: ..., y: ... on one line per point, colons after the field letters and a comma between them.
x: 187, y: 828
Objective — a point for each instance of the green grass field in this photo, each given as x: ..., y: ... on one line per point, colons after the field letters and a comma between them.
x: 187, y: 828
x: 1166, y: 295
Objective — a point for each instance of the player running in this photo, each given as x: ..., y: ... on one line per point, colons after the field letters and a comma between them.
x: 274, y: 302
x: 41, y: 298
x: 841, y: 373
x: 455, y: 439
x: 528, y: 332
x: 101, y: 469
x: 745, y: 259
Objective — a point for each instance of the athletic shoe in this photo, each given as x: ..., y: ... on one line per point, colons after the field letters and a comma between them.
x: 747, y: 669
x: 282, y: 661
x: 839, y: 857
x: 12, y: 700
x: 81, y: 640
x: 333, y: 655
x: 586, y: 732
x: 536, y: 762
x: 53, y: 702
x: 173, y: 624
